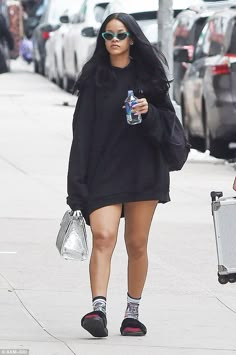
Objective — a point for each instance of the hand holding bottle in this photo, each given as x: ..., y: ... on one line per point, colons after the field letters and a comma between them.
x: 141, y: 107
x: 135, y: 108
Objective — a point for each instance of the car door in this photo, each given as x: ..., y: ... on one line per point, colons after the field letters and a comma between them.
x: 69, y: 45
x: 181, y: 34
x: 193, y: 82
x: 232, y: 57
x: 92, y: 18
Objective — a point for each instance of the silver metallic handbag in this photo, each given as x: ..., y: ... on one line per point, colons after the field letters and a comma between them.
x: 72, y: 237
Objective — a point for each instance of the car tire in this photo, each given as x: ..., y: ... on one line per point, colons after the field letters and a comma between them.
x: 57, y: 77
x: 184, y: 118
x: 59, y: 80
x: 42, y: 68
x: 196, y: 142
x: 36, y: 66
x: 76, y: 64
x: 65, y: 82
x: 218, y: 148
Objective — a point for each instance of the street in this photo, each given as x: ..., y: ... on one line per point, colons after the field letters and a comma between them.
x: 43, y: 297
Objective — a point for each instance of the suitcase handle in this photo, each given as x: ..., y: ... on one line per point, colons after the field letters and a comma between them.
x: 216, y: 194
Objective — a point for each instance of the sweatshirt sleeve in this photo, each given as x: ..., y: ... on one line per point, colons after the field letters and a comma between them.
x: 80, y: 148
x: 153, y: 125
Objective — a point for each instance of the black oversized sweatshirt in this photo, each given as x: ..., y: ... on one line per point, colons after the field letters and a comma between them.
x: 111, y: 161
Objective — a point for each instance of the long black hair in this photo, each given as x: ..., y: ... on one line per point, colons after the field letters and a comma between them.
x: 148, y: 60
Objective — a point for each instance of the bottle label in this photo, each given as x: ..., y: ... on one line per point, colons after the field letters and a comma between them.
x: 129, y: 105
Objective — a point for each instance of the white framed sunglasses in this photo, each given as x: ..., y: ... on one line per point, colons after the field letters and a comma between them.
x: 108, y: 36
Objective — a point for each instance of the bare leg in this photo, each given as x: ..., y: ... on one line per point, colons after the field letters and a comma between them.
x: 104, y: 224
x: 138, y: 218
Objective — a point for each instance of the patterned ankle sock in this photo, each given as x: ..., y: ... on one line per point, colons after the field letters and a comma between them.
x: 99, y: 304
x: 132, y: 307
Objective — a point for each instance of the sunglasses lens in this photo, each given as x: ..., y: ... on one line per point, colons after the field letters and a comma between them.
x: 108, y: 36
x: 122, y: 36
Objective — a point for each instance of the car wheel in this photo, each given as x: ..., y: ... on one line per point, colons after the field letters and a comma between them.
x: 207, y: 133
x: 59, y: 80
x: 218, y: 147
x: 36, y: 66
x: 76, y: 64
x: 184, y: 119
x: 65, y: 82
x: 50, y: 75
x: 195, y: 141
x: 41, y: 68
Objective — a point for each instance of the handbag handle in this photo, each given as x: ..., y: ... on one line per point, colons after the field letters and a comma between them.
x: 77, y: 213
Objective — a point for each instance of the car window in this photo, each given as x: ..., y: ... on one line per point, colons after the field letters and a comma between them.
x: 201, y: 49
x: 42, y: 8
x: 176, y: 12
x: 232, y: 46
x: 196, y: 30
x: 182, y: 29
x: 99, y: 11
x: 82, y: 13
x: 213, y: 38
x: 147, y: 15
x: 217, y: 29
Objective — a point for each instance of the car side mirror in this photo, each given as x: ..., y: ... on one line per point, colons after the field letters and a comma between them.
x: 64, y: 19
x: 181, y: 55
x: 89, y: 32
x: 46, y: 28
x: 49, y: 28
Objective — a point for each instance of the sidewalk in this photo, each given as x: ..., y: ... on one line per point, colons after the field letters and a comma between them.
x: 42, y: 297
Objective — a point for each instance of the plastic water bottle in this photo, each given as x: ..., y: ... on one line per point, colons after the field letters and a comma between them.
x: 131, y: 117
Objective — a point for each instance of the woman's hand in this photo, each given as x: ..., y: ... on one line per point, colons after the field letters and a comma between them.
x: 141, y: 107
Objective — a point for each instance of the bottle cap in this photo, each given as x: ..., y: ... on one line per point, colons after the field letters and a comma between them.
x: 130, y: 92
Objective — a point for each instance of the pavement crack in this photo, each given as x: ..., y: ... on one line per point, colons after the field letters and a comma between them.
x: 33, y: 317
x: 13, y: 165
x: 225, y: 305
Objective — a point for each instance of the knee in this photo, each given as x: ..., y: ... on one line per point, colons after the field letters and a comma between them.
x: 104, y: 239
x: 136, y: 248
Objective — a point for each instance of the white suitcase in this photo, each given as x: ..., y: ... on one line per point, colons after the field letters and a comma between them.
x: 224, y: 216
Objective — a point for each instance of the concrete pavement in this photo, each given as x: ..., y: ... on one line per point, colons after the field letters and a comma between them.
x: 42, y: 297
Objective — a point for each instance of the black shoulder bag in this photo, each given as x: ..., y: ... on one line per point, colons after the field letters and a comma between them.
x: 175, y: 147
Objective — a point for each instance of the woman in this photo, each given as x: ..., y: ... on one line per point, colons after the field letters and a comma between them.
x: 115, y: 169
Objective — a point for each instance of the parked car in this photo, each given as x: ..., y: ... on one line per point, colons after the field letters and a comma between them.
x: 81, y: 34
x: 188, y: 26
x: 48, y: 22
x: 217, y: 1
x: 54, y: 47
x: 146, y: 13
x: 187, y: 29
x: 208, y: 94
